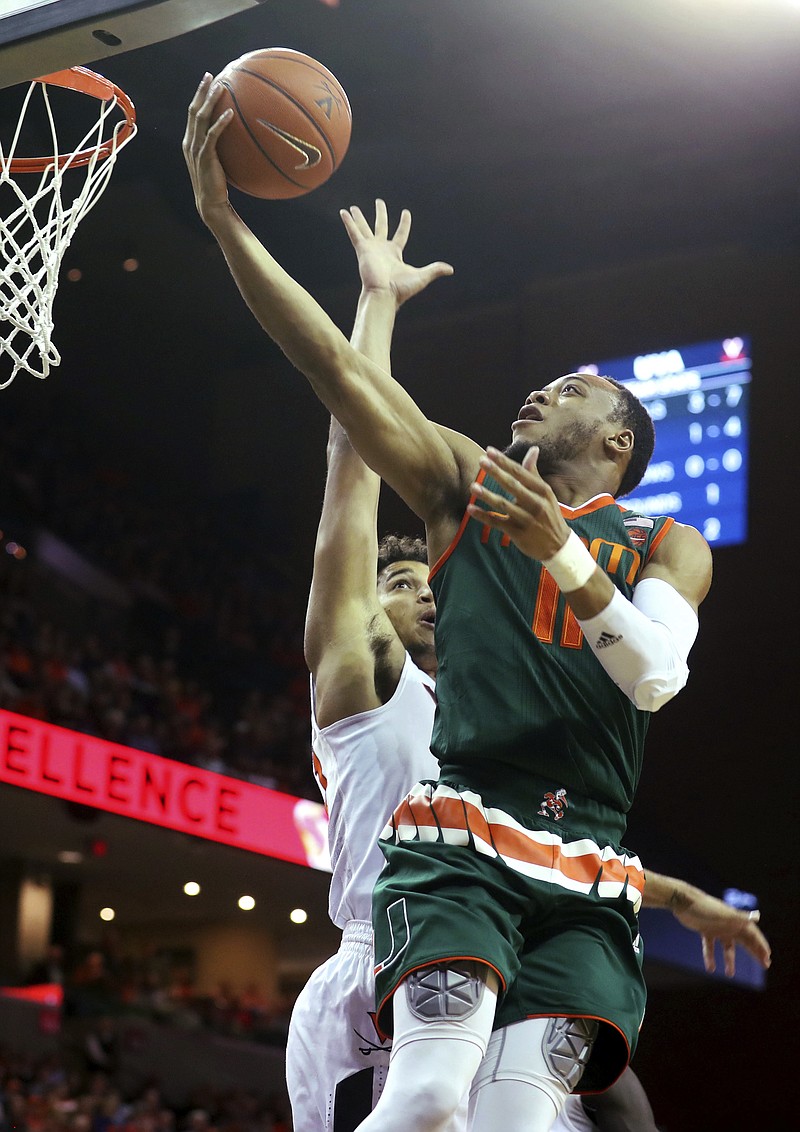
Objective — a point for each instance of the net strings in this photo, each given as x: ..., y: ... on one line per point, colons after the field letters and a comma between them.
x: 36, y: 233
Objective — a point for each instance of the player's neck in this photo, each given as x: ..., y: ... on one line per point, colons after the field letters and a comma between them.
x: 575, y: 486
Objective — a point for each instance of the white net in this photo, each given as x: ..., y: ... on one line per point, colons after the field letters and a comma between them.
x: 37, y: 226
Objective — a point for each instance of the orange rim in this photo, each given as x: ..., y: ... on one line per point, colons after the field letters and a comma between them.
x: 84, y: 81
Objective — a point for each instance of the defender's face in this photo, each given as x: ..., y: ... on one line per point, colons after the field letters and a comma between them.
x: 404, y: 593
x: 571, y: 405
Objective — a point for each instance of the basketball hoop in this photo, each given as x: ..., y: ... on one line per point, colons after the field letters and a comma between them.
x: 37, y: 232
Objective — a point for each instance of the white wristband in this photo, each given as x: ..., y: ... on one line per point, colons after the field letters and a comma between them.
x: 572, y: 566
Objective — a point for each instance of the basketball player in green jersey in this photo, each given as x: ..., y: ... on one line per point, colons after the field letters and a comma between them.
x: 327, y: 1004
x: 564, y: 621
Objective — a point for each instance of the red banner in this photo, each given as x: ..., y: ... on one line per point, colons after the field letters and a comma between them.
x: 136, y: 784
x: 46, y: 994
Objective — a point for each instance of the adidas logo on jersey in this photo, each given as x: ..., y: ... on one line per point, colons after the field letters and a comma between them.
x: 606, y: 639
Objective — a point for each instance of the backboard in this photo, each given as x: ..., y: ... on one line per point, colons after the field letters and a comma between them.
x: 40, y: 36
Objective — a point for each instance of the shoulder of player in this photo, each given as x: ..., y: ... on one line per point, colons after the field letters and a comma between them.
x: 341, y: 627
x: 682, y: 558
x: 681, y: 541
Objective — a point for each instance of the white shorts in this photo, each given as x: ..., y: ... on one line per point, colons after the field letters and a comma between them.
x: 335, y: 1062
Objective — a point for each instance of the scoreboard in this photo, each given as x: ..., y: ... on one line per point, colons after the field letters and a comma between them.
x: 698, y: 397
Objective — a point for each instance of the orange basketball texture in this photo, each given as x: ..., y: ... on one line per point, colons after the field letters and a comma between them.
x: 291, y: 123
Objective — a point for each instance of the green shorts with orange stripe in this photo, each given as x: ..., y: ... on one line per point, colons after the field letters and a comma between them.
x: 550, y: 910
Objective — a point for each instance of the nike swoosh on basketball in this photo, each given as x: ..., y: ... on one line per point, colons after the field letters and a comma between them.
x: 310, y: 154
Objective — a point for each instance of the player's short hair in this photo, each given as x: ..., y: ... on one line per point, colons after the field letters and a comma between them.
x: 631, y: 413
x: 401, y: 548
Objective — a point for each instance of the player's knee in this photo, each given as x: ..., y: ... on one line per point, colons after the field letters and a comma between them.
x: 442, y: 1022
x: 433, y: 1097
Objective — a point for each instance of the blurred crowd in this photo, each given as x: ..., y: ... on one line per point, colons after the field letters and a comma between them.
x: 105, y: 982
x: 65, y: 1093
x: 202, y: 662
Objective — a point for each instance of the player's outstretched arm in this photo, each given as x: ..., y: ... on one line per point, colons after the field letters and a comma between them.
x: 342, y: 603
x: 344, y: 617
x: 384, y: 424
x: 713, y: 919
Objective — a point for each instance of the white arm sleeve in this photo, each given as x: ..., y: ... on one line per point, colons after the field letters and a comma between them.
x: 644, y: 644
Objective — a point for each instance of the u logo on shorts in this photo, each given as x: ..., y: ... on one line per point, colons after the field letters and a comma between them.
x: 399, y: 934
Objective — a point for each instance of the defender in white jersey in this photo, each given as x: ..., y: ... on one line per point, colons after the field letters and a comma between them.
x: 371, y: 654
x: 362, y: 765
x: 336, y: 1062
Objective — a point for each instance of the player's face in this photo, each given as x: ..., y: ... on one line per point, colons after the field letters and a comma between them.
x: 404, y: 593
x: 564, y: 418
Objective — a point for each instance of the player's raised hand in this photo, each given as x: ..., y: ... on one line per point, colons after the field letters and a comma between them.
x: 532, y: 517
x: 203, y: 129
x: 380, y: 257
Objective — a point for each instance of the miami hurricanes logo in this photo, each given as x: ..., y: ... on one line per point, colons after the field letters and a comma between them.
x: 399, y: 934
x: 554, y: 805
x: 639, y: 528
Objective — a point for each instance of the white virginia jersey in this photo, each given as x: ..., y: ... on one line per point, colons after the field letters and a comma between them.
x: 364, y: 766
x: 574, y: 1118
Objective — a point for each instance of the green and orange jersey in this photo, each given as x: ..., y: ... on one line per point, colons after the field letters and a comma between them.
x: 524, y: 704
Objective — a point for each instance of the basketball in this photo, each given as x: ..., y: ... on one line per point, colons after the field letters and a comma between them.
x: 290, y: 127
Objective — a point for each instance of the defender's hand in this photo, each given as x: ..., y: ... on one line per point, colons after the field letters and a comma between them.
x: 380, y: 259
x: 203, y: 130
